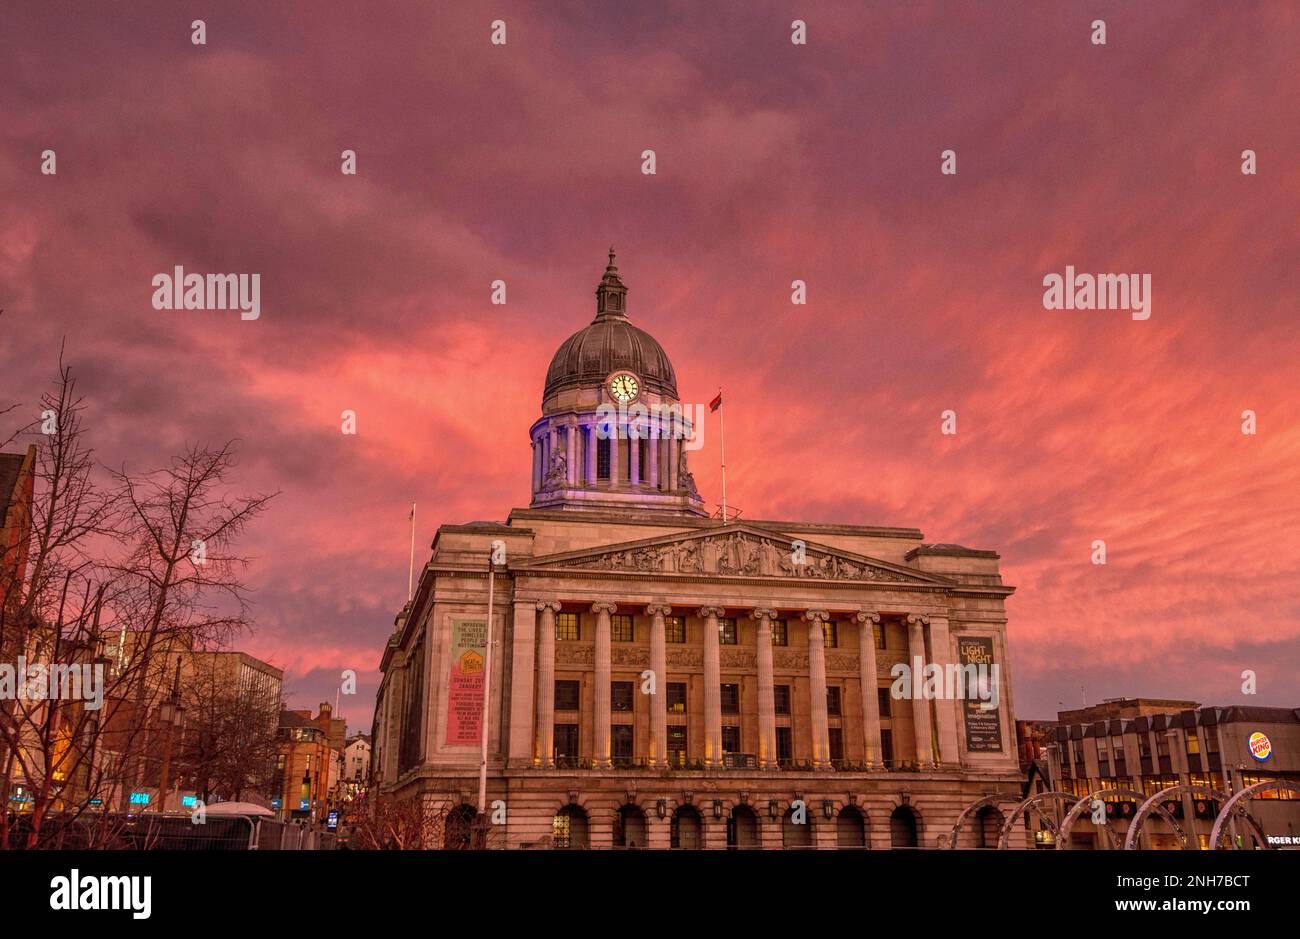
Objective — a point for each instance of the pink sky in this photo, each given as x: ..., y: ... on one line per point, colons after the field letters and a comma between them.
x: 775, y: 162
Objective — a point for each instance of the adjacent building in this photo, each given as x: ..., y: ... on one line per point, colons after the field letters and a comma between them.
x: 307, y: 767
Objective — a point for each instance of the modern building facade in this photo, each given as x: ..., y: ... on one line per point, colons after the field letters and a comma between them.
x: 1133, y: 749
x: 658, y: 677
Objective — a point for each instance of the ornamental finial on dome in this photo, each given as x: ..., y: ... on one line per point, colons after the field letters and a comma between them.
x: 611, y: 293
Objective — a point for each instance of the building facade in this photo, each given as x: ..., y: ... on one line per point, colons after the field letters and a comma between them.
x: 658, y: 677
x: 1129, y: 750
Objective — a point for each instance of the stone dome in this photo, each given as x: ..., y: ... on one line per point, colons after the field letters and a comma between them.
x: 610, y: 343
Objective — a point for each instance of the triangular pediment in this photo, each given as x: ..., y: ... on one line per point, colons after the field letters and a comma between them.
x: 737, y: 550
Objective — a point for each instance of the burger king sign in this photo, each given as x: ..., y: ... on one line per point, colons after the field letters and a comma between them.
x: 1261, y: 748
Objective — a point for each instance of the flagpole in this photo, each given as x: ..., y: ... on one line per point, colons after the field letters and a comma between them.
x: 722, y: 432
x: 410, y: 574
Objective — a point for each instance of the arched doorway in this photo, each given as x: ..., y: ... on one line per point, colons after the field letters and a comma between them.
x: 988, y: 827
x: 629, y: 827
x: 458, y: 829
x: 569, y: 829
x: 851, y: 828
x: 742, y: 828
x: 902, y: 828
x: 687, y: 831
x: 796, y: 835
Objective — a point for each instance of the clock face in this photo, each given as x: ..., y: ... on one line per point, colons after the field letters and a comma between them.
x: 624, y: 386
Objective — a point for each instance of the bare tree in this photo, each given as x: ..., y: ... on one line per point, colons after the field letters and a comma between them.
x: 230, y: 741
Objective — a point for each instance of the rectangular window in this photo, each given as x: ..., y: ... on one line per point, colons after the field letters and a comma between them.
x: 727, y: 631
x: 830, y: 635
x: 784, y: 745
x: 620, y: 626
x: 1162, y: 744
x: 1144, y: 745
x: 1211, y: 743
x: 730, y: 739
x: 566, y: 696
x: 566, y: 626
x: 674, y: 629
x: 566, y: 742
x: 836, y: 738
x: 676, y: 697
x: 878, y: 630
x: 731, y: 699
x: 833, y: 701
x: 781, y: 697
x: 780, y: 635
x: 887, y: 747
x: 883, y: 697
x: 1193, y: 743
x: 676, y: 745
x: 620, y: 695
x: 602, y: 459
x: 620, y: 743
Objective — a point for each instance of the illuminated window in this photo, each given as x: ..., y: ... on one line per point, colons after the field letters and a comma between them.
x: 676, y: 697
x: 675, y: 628
x: 1193, y: 743
x: 566, y: 626
x: 677, y: 746
x: 878, y: 631
x: 830, y: 635
x: 621, y: 627
x: 780, y: 637
x: 727, y: 631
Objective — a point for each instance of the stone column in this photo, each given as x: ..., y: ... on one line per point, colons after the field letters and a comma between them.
x: 766, y: 691
x: 602, y: 739
x: 634, y: 460
x: 659, y: 700
x: 522, y: 738
x: 545, y: 751
x: 712, y: 686
x: 591, y: 455
x: 817, y: 688
x: 920, y: 706
x: 867, y: 678
x: 613, y: 453
x: 946, y: 711
x: 652, y: 457
x: 537, y: 465
x: 571, y: 453
x: 673, y: 461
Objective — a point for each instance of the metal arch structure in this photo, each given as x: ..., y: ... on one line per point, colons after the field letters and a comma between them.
x: 1225, y: 812
x: 1033, y: 802
x: 973, y: 808
x: 1154, y: 804
x: 1111, y: 834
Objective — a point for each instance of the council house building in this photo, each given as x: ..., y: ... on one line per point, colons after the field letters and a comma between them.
x: 662, y: 678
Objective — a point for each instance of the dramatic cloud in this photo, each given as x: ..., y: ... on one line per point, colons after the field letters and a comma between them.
x: 775, y: 162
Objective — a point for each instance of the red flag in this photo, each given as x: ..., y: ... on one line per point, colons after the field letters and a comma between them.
x: 715, y: 403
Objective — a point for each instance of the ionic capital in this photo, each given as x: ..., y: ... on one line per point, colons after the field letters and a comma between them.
x: 604, y: 606
x: 917, y: 620
x: 763, y: 614
x: 658, y: 609
x: 816, y: 616
x: 544, y: 605
x: 865, y: 616
x: 708, y: 611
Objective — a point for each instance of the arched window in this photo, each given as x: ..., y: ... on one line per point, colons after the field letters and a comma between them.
x: 629, y: 827
x: 851, y: 828
x: 988, y: 827
x: 742, y: 828
x: 797, y: 834
x: 569, y: 828
x: 686, y: 829
x: 902, y: 828
x: 458, y: 831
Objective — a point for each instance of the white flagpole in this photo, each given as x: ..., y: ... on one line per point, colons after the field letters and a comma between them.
x: 722, y: 432
x: 410, y: 574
